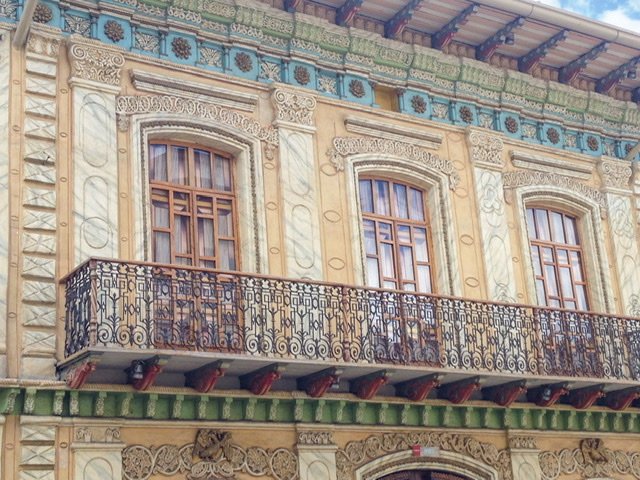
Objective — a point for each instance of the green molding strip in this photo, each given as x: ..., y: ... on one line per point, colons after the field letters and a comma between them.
x: 285, y: 409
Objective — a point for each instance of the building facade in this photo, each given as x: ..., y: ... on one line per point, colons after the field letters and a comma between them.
x: 299, y: 240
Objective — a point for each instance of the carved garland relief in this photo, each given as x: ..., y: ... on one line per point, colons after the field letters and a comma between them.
x: 211, y: 456
x: 345, y: 146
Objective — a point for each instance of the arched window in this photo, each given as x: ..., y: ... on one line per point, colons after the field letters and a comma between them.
x: 192, y: 206
x: 396, y: 235
x: 557, y: 259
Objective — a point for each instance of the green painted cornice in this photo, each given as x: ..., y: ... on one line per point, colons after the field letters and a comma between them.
x: 169, y: 404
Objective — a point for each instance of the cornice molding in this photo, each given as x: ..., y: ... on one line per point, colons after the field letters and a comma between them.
x: 543, y: 163
x: 390, y: 131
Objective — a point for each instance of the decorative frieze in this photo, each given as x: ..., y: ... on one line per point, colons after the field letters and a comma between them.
x: 615, y: 174
x: 486, y: 149
x: 131, y: 105
x: 294, y: 107
x: 590, y: 459
x: 95, y: 63
x: 358, y: 453
x: 521, y: 442
x: 346, y: 146
x: 315, y: 438
x: 212, y: 455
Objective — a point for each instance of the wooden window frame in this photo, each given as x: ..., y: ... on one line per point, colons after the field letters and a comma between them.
x: 396, y: 222
x: 536, y: 242
x: 193, y: 193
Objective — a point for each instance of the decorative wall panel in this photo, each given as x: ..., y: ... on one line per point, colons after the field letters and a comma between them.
x: 5, y: 51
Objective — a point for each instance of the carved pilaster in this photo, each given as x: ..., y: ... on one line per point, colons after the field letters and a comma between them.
x: 486, y: 149
x: 615, y: 175
x: 524, y: 458
x: 294, y: 109
x: 316, y: 455
x: 95, y: 65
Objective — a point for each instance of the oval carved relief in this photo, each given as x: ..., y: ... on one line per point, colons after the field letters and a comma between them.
x: 466, y: 239
x: 472, y: 282
x: 336, y: 263
x: 271, y: 206
x: 461, y: 192
x: 332, y: 216
x: 328, y: 170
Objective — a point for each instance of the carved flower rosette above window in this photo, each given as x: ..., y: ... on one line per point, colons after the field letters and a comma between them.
x: 356, y: 88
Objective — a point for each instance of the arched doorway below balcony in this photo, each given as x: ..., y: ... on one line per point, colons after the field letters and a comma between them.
x: 424, y: 475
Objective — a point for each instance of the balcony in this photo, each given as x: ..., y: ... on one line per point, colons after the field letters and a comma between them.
x: 123, y: 315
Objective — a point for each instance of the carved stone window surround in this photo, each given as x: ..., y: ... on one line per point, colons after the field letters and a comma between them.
x: 248, y: 167
x: 588, y: 213
x: 439, y: 205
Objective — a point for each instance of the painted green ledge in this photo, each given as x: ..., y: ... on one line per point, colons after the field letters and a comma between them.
x: 286, y: 408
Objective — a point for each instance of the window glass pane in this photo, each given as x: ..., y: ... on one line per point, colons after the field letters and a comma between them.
x: 565, y: 282
x: 416, y: 209
x: 401, y: 200
x: 424, y: 279
x: 223, y: 174
x: 158, y: 161
x: 570, y: 305
x: 420, y: 240
x: 572, y: 232
x: 179, y: 165
x: 543, y: 224
x: 409, y: 287
x: 389, y: 284
x: 373, y: 273
x: 531, y: 226
x: 388, y: 269
x: 370, y: 244
x: 542, y: 297
x: 183, y: 260
x: 581, y: 294
x: 227, y: 255
x: 181, y: 202
x: 181, y: 234
x: 162, y: 247
x: 558, y: 228
x: 552, y: 284
x: 535, y: 258
x: 205, y: 237
x: 404, y: 234
x: 406, y: 260
x: 160, y: 214
x: 563, y: 257
x: 576, y: 265
x: 202, y: 164
x: 385, y: 231
x: 382, y: 197
x: 547, y: 255
x: 225, y: 223
x: 204, y: 205
x: 555, y: 303
x: 366, y: 196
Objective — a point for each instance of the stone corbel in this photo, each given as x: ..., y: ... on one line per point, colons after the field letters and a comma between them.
x: 615, y: 175
x: 294, y: 109
x: 486, y: 149
x: 94, y: 65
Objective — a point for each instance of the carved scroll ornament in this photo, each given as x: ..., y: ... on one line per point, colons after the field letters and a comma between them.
x: 211, y: 456
x: 345, y: 146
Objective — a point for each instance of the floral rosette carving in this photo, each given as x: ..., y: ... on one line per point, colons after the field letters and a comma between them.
x: 181, y: 48
x: 42, y: 14
x: 592, y: 143
x: 511, y: 124
x: 114, y: 31
x: 302, y: 75
x: 553, y: 135
x: 418, y: 104
x: 356, y: 87
x: 243, y: 62
x: 466, y: 115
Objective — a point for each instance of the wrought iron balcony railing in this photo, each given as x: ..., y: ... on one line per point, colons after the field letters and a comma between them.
x: 150, y: 306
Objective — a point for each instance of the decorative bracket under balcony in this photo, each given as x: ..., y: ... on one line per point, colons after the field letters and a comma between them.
x: 460, y: 391
x: 505, y: 394
x: 585, y: 397
x: 143, y: 373
x: 76, y: 374
x: 260, y: 381
x: 203, y: 379
x: 317, y: 384
x: 547, y: 395
x: 621, y: 399
x: 367, y: 386
x: 419, y: 388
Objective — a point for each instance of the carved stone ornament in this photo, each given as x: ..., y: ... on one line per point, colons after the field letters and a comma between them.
x: 553, y: 135
x: 356, y: 87
x: 591, y: 459
x: 43, y: 45
x: 315, y: 438
x: 114, y: 31
x: 212, y: 456
x: 243, y: 62
x: 42, y: 14
x: 592, y: 143
x: 485, y: 148
x: 511, y: 124
x: 360, y: 452
x: 95, y: 63
x: 345, y: 146
x: 528, y: 443
x: 615, y: 173
x: 181, y: 48
x: 418, y: 104
x: 97, y: 435
x: 302, y: 75
x: 128, y: 105
x: 521, y: 179
x: 466, y: 115
x: 294, y: 107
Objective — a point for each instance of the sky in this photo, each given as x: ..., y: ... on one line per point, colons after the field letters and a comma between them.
x: 620, y: 13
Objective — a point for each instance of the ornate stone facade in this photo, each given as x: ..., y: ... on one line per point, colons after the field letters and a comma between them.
x: 294, y: 107
x: 211, y: 456
x: 95, y: 63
